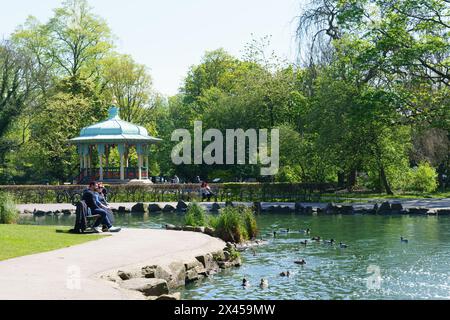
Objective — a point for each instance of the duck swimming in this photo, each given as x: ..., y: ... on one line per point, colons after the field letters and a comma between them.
x: 264, y: 283
x: 300, y: 262
x: 403, y: 240
x: 330, y: 242
x: 245, y: 283
x: 342, y: 245
x: 285, y: 231
x: 304, y: 242
x: 307, y: 231
x: 315, y: 239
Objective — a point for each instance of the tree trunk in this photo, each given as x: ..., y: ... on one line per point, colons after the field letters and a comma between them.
x: 341, y: 179
x: 385, y: 182
x: 351, y: 180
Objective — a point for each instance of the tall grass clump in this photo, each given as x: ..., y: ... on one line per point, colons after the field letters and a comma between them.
x: 195, y: 216
x: 235, y: 224
x: 8, y: 212
x: 250, y: 222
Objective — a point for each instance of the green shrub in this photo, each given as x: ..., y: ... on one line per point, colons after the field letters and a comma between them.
x: 195, y: 216
x: 8, y: 211
x: 424, y: 178
x: 235, y: 224
x: 250, y: 222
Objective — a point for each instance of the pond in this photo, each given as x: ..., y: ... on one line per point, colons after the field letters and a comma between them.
x: 375, y: 265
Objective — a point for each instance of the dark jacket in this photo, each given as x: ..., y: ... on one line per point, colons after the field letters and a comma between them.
x: 82, y: 212
x: 89, y: 198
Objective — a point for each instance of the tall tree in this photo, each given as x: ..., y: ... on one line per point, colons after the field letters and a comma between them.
x: 131, y: 84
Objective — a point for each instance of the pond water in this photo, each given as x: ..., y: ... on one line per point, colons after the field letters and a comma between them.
x: 376, y: 264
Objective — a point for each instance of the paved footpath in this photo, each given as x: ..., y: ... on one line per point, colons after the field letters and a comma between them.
x: 407, y: 203
x: 52, y: 275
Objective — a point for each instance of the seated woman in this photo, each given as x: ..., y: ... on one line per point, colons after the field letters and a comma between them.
x: 206, y: 191
x: 102, y: 203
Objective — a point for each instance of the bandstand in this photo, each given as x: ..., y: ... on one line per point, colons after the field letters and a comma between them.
x: 101, y: 138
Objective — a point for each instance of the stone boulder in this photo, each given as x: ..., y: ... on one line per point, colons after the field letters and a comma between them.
x: 172, y: 297
x: 299, y: 207
x: 229, y: 204
x: 123, y: 210
x: 200, y: 229
x: 397, y: 208
x: 171, y: 274
x: 284, y: 209
x: 257, y: 207
x: 210, y: 231
x: 308, y: 210
x: 385, y: 208
x: 124, y: 275
x: 138, y: 208
x: 178, y: 272
x: 215, y: 207
x: 154, y: 207
x: 331, y: 208
x: 168, y: 208
x: 149, y: 287
x: 173, y: 227
x: 39, y: 213
x: 418, y: 210
x: 208, y: 262
x: 346, y: 210
x: 182, y: 206
x: 443, y: 212
x: 189, y: 228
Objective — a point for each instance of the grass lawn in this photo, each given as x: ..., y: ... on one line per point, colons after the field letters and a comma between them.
x: 22, y: 240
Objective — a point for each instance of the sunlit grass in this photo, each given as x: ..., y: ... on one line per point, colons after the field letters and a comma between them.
x: 22, y: 240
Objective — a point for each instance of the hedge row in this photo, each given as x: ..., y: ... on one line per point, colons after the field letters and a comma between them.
x: 247, y: 192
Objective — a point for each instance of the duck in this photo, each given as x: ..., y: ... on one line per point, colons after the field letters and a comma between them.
x: 342, y: 245
x: 245, y: 283
x: 307, y: 231
x: 403, y: 240
x: 264, y: 283
x: 304, y: 242
x: 315, y: 239
x: 330, y: 242
x: 300, y: 262
x: 285, y: 230
x: 274, y: 234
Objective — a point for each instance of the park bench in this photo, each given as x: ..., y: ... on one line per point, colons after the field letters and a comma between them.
x: 84, y: 219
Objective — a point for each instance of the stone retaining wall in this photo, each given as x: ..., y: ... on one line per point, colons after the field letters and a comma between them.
x: 160, y: 282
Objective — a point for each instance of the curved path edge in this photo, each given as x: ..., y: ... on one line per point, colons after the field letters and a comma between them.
x: 76, y: 273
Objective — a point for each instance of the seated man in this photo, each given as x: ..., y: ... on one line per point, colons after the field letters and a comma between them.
x: 103, y: 204
x: 89, y: 196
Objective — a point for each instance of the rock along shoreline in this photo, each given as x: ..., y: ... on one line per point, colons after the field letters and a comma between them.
x: 161, y: 281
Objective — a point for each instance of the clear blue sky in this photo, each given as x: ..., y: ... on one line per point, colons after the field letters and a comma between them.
x: 169, y: 36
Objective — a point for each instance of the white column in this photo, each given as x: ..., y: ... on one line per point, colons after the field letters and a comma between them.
x: 100, y: 159
x: 85, y: 164
x: 140, y: 166
x: 122, y: 171
x: 146, y: 165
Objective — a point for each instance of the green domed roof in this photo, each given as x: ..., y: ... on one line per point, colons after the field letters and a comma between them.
x: 114, y: 130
